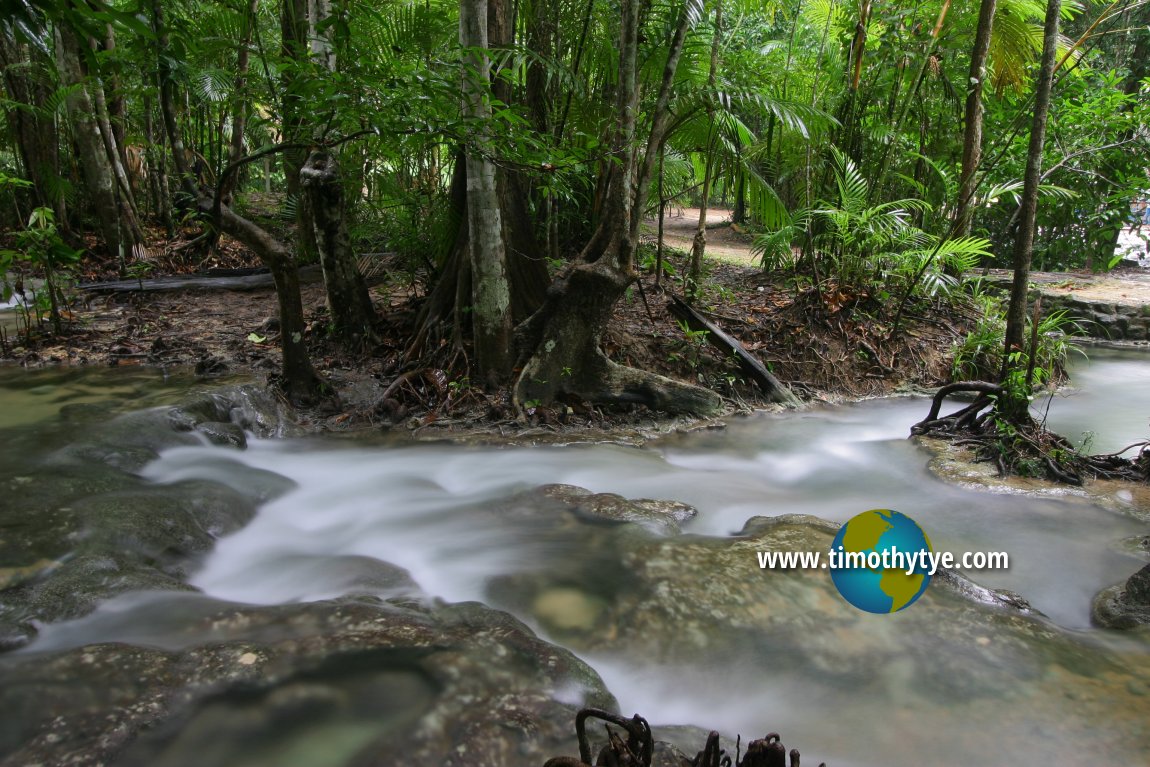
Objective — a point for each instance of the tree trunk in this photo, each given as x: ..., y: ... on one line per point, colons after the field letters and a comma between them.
x: 739, y: 214
x: 526, y: 268
x: 847, y: 134
x: 568, y: 362
x: 320, y: 34
x: 125, y: 199
x: 347, y: 296
x: 91, y: 155
x: 242, y: 107
x: 157, y: 166
x: 972, y: 136
x: 659, y: 244
x: 1024, y: 242
x: 117, y: 114
x: 34, y: 128
x: 699, y: 243
x: 294, y: 47
x: 491, y: 299
x: 300, y: 383
x: 561, y: 340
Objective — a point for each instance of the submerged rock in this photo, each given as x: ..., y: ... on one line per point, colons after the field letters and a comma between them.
x: 349, y: 682
x: 571, y: 596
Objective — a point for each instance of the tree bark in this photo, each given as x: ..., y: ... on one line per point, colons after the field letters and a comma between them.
x: 34, y: 128
x: 91, y: 155
x: 294, y: 47
x: 562, y: 340
x: 158, y: 189
x: 125, y: 198
x: 491, y: 299
x: 972, y: 135
x: 300, y: 383
x: 242, y: 107
x: 320, y: 37
x: 347, y: 298
x: 1024, y: 242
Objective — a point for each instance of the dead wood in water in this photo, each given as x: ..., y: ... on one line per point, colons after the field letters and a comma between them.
x: 638, y: 750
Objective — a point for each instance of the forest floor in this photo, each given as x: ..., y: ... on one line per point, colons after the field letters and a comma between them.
x: 826, y: 346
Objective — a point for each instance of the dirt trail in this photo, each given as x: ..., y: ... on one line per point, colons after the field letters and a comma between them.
x: 1129, y: 286
x: 725, y: 241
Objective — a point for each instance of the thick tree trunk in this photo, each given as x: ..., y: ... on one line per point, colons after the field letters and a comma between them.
x: 491, y: 299
x: 1024, y: 242
x: 125, y: 199
x: 320, y: 34
x: 539, y: 95
x: 526, y: 268
x: 35, y: 131
x: 568, y: 361
x: 972, y: 136
x: 562, y: 339
x: 91, y: 155
x: 347, y: 296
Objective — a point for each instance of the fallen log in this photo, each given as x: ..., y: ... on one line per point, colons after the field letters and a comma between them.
x: 773, y: 388
x: 257, y: 281
x: 256, y: 278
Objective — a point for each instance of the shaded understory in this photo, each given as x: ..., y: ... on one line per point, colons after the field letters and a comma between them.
x: 819, y: 344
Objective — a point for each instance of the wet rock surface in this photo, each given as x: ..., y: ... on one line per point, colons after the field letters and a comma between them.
x: 688, y: 601
x: 79, y: 525
x: 1122, y: 606
x: 690, y: 597
x: 349, y: 682
x: 1126, y: 605
x: 693, y: 595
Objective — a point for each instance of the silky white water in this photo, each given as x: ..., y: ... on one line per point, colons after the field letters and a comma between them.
x: 409, y: 506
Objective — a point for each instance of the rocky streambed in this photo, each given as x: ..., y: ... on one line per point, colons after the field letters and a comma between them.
x: 177, y: 586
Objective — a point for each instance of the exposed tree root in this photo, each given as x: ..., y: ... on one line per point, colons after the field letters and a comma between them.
x: 1022, y: 446
x: 566, y: 359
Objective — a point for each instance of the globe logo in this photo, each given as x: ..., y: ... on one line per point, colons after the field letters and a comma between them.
x: 876, y: 562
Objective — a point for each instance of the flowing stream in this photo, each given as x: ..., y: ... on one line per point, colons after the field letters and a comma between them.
x: 420, y: 507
